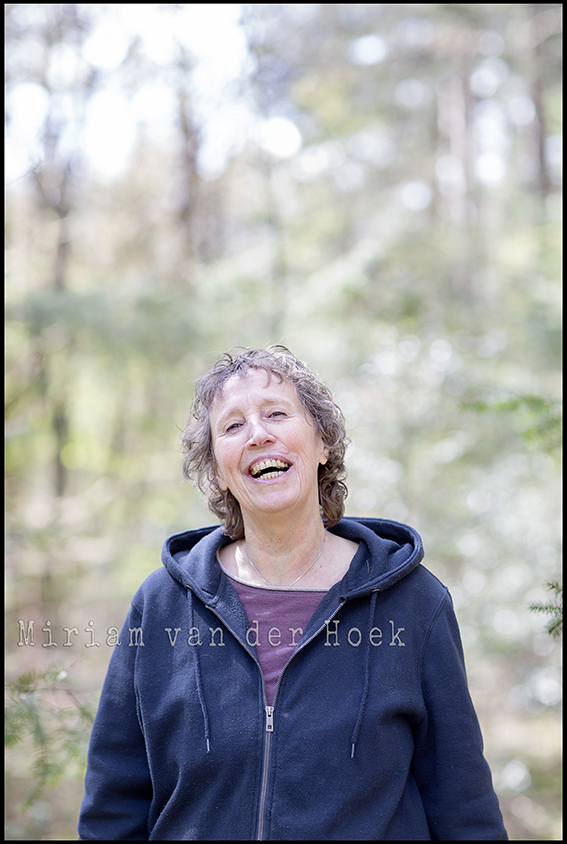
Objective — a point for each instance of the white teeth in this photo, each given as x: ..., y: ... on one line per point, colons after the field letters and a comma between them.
x: 279, y: 465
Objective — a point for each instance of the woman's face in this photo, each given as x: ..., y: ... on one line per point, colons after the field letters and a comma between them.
x: 266, y: 446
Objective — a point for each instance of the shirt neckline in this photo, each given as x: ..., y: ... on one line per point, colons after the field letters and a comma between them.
x: 271, y: 588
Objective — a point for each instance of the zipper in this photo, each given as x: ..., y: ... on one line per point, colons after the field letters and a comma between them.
x: 265, y: 768
x: 269, y: 723
x: 269, y: 710
x: 269, y: 719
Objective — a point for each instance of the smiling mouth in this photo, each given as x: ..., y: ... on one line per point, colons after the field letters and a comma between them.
x: 267, y: 469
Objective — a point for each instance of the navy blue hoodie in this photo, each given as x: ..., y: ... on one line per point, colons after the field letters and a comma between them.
x: 373, y: 734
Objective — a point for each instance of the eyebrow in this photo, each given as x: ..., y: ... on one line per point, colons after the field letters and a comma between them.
x: 236, y: 410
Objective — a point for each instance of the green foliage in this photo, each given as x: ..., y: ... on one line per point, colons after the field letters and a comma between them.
x: 410, y: 251
x: 554, y: 608
x: 539, y: 420
x: 539, y: 423
x: 44, y: 708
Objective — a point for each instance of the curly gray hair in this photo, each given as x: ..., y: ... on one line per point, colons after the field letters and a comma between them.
x: 197, y: 444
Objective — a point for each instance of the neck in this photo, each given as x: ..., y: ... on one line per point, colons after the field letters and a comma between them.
x: 281, y: 554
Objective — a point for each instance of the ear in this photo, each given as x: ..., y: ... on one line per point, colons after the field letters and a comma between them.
x: 324, y: 456
x: 223, y: 486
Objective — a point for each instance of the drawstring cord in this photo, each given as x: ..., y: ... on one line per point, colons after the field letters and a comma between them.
x: 364, y: 696
x: 356, y: 730
x: 199, y: 681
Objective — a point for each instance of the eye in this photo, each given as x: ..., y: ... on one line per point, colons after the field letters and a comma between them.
x: 233, y: 426
x: 277, y: 413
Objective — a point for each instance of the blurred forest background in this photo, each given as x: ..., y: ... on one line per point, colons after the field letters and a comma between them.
x: 378, y: 187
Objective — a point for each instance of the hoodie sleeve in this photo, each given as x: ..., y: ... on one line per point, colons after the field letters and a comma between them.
x: 449, y: 766
x: 118, y: 788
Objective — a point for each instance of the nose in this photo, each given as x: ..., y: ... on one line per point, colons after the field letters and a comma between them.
x: 258, y: 433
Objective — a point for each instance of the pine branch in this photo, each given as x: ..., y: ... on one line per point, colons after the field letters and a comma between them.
x: 555, y: 609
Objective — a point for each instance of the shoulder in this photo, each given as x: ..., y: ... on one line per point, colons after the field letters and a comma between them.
x: 428, y: 581
x: 420, y: 595
x: 159, y: 589
x: 426, y: 587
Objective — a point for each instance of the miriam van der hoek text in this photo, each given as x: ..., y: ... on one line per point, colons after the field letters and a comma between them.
x: 215, y: 637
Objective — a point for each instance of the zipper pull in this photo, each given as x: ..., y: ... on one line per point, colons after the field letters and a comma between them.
x: 269, y: 719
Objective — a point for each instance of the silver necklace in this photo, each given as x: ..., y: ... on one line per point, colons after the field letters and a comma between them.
x: 297, y: 578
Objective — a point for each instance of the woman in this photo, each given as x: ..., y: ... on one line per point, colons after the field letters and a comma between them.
x: 292, y: 674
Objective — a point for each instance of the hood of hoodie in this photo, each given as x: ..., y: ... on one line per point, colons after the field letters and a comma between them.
x: 362, y: 742
x: 390, y: 551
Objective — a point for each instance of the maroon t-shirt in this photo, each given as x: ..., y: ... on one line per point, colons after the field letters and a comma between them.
x: 277, y: 617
